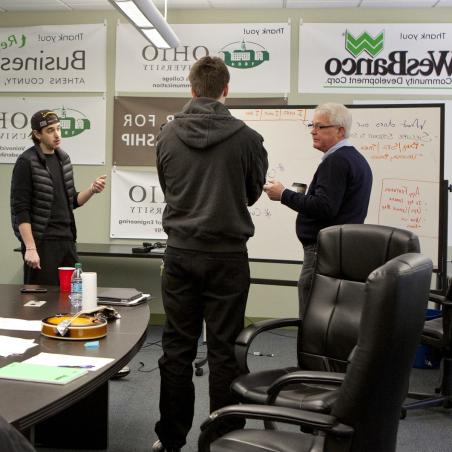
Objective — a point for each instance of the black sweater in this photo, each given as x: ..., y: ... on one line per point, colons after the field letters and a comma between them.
x: 211, y: 167
x: 338, y: 194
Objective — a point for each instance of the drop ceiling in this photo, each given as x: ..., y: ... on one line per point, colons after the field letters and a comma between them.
x: 71, y: 5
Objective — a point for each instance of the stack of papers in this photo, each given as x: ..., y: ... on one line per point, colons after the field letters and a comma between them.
x: 15, y: 345
x: 77, y: 362
x: 19, y: 324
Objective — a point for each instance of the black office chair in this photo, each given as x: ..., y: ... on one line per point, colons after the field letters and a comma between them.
x: 365, y: 416
x: 327, y: 334
x: 437, y: 333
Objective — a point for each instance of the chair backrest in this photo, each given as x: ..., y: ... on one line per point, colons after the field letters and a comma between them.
x: 346, y: 255
x: 371, y: 396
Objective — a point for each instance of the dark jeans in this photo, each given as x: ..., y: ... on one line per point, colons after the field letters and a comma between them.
x: 196, y: 286
x: 306, y: 275
x: 52, y: 254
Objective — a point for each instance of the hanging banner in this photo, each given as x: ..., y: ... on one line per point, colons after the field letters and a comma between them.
x: 137, y: 205
x: 257, y: 55
x: 82, y: 121
x: 137, y: 123
x: 375, y: 58
x: 55, y: 58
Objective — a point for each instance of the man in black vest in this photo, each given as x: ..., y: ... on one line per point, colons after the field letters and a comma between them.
x: 339, y: 192
x: 43, y: 197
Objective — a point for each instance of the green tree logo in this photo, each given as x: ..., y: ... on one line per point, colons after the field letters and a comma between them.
x: 73, y: 122
x: 364, y: 43
x: 249, y: 55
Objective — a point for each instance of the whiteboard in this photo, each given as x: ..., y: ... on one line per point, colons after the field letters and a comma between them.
x: 447, y: 144
x: 404, y: 147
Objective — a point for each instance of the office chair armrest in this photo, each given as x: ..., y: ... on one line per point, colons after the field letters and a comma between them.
x: 311, y: 377
x: 317, y: 421
x: 439, y: 299
x: 247, y: 335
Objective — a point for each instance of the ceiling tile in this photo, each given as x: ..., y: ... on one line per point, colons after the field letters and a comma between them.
x: 397, y: 3
x: 246, y: 4
x: 29, y: 5
x: 322, y: 3
x: 183, y: 4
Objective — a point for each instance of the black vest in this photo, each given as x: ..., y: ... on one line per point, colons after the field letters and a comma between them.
x: 42, y: 197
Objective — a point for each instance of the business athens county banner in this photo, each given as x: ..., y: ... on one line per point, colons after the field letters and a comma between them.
x: 53, y: 58
x: 137, y: 205
x: 375, y: 58
x: 82, y: 122
x: 258, y: 56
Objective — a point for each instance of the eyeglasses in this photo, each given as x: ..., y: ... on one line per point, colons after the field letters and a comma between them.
x: 319, y: 126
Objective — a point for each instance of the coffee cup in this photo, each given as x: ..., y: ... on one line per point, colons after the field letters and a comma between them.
x: 299, y: 187
x: 65, y: 274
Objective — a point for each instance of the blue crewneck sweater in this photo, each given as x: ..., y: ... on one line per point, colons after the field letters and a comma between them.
x: 338, y: 194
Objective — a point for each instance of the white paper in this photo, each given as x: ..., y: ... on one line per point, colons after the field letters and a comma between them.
x: 59, y: 360
x: 19, y: 324
x: 15, y: 345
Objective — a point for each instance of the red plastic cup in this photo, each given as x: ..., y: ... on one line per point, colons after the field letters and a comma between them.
x: 65, y: 278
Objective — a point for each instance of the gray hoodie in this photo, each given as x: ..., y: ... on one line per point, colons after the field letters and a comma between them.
x: 211, y: 167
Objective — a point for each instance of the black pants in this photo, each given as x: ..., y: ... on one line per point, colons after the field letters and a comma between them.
x: 52, y: 254
x: 197, y: 286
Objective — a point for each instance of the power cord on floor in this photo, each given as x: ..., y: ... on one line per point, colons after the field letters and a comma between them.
x: 140, y: 369
x: 150, y: 344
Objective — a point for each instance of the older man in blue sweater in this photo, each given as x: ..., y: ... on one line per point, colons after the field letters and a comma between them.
x: 339, y: 192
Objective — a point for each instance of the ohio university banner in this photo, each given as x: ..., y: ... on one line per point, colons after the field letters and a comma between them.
x: 375, y: 58
x: 137, y: 205
x: 258, y: 56
x: 82, y: 122
x: 53, y: 58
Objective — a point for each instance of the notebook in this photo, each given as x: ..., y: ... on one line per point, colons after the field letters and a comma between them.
x: 40, y: 373
x: 124, y: 296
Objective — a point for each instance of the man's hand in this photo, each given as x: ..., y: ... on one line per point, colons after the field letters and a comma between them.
x: 32, y: 259
x: 99, y: 184
x: 274, y: 189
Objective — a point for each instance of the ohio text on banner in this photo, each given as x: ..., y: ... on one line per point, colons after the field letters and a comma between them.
x: 137, y: 205
x: 82, y: 122
x: 137, y: 122
x: 53, y: 58
x: 375, y: 58
x: 253, y: 52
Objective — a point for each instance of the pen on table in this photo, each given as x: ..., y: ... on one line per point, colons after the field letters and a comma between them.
x: 87, y: 366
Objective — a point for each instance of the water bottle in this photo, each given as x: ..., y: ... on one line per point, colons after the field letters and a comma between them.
x: 76, y: 288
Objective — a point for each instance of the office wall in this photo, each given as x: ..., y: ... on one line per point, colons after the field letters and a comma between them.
x: 93, y: 219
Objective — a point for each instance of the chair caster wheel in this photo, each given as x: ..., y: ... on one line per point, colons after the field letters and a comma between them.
x: 199, y: 372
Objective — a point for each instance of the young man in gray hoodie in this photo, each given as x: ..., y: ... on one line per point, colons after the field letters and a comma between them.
x: 211, y: 168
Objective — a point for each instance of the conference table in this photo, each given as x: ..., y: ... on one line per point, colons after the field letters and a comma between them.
x: 73, y: 415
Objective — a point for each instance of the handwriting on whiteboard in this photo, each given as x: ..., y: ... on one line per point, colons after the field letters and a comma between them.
x: 404, y: 203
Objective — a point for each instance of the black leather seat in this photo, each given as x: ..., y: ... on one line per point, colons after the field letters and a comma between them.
x: 327, y: 334
x: 437, y: 333
x: 365, y: 415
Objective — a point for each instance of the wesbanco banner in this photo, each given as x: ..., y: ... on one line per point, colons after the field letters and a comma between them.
x: 82, y: 121
x: 53, y: 58
x: 375, y: 58
x: 258, y: 57
x: 137, y: 205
